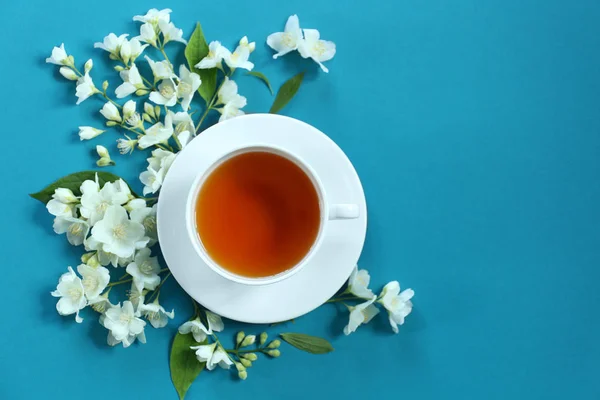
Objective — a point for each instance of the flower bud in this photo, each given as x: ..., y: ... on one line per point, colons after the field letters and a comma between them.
x: 246, y: 363
x: 102, y: 151
x: 274, y: 353
x: 104, y: 162
x: 239, y: 366
x: 239, y: 338
x: 248, y: 340
x: 274, y: 344
x: 141, y: 92
x: 85, y: 257
x: 70, y: 61
x: 148, y: 109
x: 113, y: 57
x: 105, y: 85
x: 68, y: 73
x: 250, y: 356
x: 119, y: 68
x: 111, y: 123
x: 157, y: 112
x: 146, y: 118
x: 243, y: 375
x: 263, y: 338
x: 93, y: 261
x: 89, y: 64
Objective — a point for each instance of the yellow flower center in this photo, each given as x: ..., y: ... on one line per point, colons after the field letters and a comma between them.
x: 146, y: 267
x: 288, y: 40
x: 90, y: 283
x: 119, y: 231
x: 150, y: 224
x: 75, y: 293
x: 319, y: 48
x: 167, y: 91
x: 125, y: 318
x: 75, y: 229
x: 102, y: 207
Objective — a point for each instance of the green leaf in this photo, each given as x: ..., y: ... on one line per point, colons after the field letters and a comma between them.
x: 286, y: 92
x: 73, y: 182
x: 185, y: 368
x: 195, y: 51
x: 263, y: 78
x: 310, y: 344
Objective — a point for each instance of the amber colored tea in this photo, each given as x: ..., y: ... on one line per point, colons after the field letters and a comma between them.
x: 257, y: 214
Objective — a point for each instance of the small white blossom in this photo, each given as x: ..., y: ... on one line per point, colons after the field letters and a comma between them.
x: 68, y: 73
x: 361, y: 314
x: 144, y: 270
x: 166, y: 93
x: 132, y: 81
x: 123, y: 324
x: 318, y: 50
x: 65, y: 195
x: 147, y: 217
x: 111, y: 112
x: 130, y: 116
x: 184, y: 127
x: 118, y: 234
x: 397, y: 304
x: 75, y: 228
x: 131, y: 49
x: 233, y: 102
x: 136, y: 296
x: 102, y: 151
x: 147, y: 34
x: 239, y: 58
x: 358, y: 284
x: 88, y: 132
x: 215, y: 323
x: 59, y: 208
x: 152, y: 180
x: 112, y: 43
x: 154, y: 16
x: 59, y: 56
x: 244, y: 42
x: 170, y: 32
x: 101, y: 303
x: 157, y: 133
x: 72, y: 295
x: 288, y: 40
x: 156, y: 314
x: 216, y: 53
x: 197, y: 328
x: 161, y: 159
x: 104, y: 257
x: 160, y: 69
x: 85, y: 88
x: 94, y: 280
x: 126, y: 145
x: 189, y: 82
x: 95, y: 201
x: 212, y: 356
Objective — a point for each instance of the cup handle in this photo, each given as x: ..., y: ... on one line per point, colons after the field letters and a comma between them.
x: 344, y: 211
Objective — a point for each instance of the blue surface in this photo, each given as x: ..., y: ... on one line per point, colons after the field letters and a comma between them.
x: 475, y: 129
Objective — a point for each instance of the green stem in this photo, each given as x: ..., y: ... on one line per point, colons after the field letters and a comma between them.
x: 162, y: 50
x: 119, y: 282
x: 111, y: 100
x: 157, y: 290
x: 209, y: 107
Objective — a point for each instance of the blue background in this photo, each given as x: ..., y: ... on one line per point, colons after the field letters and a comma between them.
x: 475, y: 129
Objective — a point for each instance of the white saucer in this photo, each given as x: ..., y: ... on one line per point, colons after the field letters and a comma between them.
x: 312, y: 285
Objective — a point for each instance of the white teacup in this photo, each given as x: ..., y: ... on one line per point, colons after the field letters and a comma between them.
x: 328, y: 212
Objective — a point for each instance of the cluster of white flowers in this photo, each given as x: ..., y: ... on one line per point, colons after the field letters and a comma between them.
x: 115, y: 228
x: 396, y: 303
x: 306, y: 41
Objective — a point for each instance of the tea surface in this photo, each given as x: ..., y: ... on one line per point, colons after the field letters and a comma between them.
x: 257, y: 214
